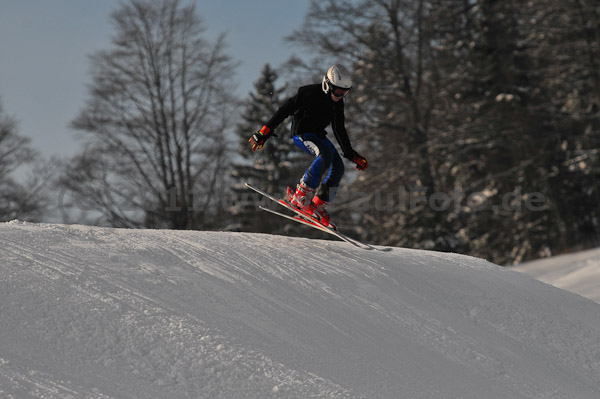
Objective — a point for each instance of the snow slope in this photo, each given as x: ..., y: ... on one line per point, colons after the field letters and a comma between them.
x: 578, y: 272
x: 104, y: 313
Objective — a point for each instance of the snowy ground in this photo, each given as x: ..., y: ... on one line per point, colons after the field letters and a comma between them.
x: 578, y: 272
x: 103, y: 313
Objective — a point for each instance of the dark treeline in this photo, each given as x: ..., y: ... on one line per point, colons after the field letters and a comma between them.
x: 480, y: 120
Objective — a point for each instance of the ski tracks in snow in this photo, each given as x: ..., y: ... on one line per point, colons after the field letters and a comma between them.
x: 109, y: 313
x: 102, y: 326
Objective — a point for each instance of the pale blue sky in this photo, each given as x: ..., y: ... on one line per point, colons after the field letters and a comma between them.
x: 45, y: 44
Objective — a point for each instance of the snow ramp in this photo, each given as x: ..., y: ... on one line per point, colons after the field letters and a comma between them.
x: 89, y: 312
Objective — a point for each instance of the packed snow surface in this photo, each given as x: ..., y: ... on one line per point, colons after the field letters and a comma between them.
x: 578, y: 272
x: 89, y: 312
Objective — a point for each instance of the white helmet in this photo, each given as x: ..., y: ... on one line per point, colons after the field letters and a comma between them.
x: 337, y: 80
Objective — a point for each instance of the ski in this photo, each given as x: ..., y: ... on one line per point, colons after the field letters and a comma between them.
x: 290, y: 207
x: 307, y: 220
x: 314, y: 225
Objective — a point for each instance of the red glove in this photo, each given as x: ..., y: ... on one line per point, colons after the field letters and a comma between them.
x: 360, y: 161
x: 259, y: 138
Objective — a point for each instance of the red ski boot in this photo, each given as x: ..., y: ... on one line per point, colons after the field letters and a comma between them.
x: 317, y: 211
x: 300, y: 197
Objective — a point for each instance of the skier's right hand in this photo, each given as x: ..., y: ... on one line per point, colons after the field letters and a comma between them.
x: 259, y: 138
x: 360, y: 161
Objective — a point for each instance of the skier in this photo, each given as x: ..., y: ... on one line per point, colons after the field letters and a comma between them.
x: 314, y: 107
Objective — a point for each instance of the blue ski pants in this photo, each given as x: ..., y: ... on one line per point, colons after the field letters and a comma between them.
x: 327, y: 168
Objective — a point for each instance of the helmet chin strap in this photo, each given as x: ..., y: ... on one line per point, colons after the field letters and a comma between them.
x: 325, y: 85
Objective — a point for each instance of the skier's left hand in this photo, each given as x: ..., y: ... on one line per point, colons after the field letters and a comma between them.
x: 360, y: 161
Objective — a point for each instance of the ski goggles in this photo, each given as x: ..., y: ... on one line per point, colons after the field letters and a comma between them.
x: 339, y: 91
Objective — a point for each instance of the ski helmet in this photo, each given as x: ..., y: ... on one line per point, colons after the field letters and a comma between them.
x: 337, y: 80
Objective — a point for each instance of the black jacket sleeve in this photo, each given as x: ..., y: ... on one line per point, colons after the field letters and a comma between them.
x: 339, y: 130
x: 286, y: 109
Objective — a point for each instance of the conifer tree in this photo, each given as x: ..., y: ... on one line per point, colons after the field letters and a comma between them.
x: 274, y: 167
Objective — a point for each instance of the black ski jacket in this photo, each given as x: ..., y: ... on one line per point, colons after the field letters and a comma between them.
x: 313, y: 110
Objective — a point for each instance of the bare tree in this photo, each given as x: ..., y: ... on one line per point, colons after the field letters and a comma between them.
x: 156, y: 118
x: 18, y: 199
